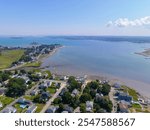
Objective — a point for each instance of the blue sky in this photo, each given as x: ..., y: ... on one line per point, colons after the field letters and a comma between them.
x: 75, y: 17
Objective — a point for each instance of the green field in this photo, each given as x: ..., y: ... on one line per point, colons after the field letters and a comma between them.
x: 39, y: 107
x: 51, y: 90
x: 5, y: 101
x: 33, y: 64
x: 7, y: 57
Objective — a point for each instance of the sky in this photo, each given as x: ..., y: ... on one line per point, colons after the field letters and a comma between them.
x: 75, y: 17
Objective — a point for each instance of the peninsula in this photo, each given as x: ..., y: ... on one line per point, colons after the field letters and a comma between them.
x: 145, y: 53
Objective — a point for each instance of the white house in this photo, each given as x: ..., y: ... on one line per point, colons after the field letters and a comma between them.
x: 89, y: 106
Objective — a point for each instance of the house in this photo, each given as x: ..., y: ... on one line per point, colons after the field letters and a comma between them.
x: 63, y: 91
x: 34, y: 92
x: 123, y: 108
x: 43, y: 86
x: 23, y: 106
x: 64, y: 112
x: 2, y: 92
x: 21, y: 101
x: 124, y: 96
x: 1, y: 105
x: 68, y: 109
x: 66, y: 77
x: 49, y: 83
x: 98, y: 97
x: 89, y: 106
x: 31, y: 109
x: 45, y: 95
x: 75, y: 92
x: 9, y: 110
x: 24, y: 102
x: 39, y: 74
x: 52, y: 109
x: 117, y: 86
x: 25, y: 78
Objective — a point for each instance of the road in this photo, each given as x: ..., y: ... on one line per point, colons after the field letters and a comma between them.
x: 15, y: 67
x: 111, y: 96
x: 63, y: 85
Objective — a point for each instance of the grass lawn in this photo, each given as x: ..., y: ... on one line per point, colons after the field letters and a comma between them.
x: 39, y: 107
x: 33, y: 64
x: 7, y: 57
x: 19, y: 110
x: 51, y: 90
x: 136, y: 106
x: 5, y: 101
x: 28, y: 97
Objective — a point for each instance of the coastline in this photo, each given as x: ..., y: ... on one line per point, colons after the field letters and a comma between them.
x: 50, y: 54
x: 141, y: 87
x: 145, y: 53
x: 144, y: 90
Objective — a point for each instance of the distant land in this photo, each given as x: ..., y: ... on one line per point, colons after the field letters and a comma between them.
x: 134, y: 39
x: 145, y: 53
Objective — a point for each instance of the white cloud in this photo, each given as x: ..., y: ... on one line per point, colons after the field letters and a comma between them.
x: 124, y: 22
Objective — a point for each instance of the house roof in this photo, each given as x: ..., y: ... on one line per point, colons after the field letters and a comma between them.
x: 10, y: 109
x: 89, y: 104
x: 31, y: 109
x: 51, y: 109
x: 2, y: 91
x: 123, y: 106
x: 46, y: 94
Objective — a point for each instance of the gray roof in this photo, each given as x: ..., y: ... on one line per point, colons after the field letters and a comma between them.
x: 10, y: 109
x: 31, y: 109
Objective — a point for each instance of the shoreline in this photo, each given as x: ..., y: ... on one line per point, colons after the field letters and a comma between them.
x: 50, y: 54
x: 143, y: 91
x: 134, y: 84
x: 145, y: 53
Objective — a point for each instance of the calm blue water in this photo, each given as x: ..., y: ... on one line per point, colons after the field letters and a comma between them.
x: 89, y: 56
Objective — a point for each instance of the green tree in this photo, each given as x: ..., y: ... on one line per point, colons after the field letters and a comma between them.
x: 85, y: 97
x: 57, y: 100
x: 105, y: 103
x: 61, y: 108
x: 67, y: 98
x: 93, y: 84
x: 93, y: 93
x: 16, y: 87
x: 36, y: 99
x: 83, y: 108
x: 106, y: 89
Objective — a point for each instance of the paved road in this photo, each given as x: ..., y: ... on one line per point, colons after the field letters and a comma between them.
x: 63, y: 85
x: 15, y: 67
x: 30, y: 90
x: 111, y: 96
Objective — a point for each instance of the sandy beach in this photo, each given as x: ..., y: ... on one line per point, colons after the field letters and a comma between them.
x: 140, y: 87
